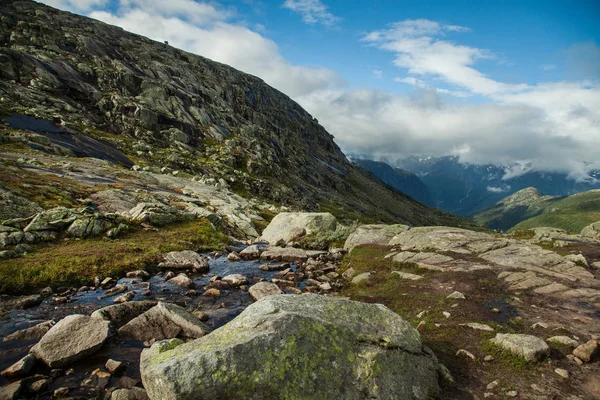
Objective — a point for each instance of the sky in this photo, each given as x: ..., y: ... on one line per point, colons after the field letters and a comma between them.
x: 493, y: 82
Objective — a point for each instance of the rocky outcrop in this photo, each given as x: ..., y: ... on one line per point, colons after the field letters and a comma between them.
x: 591, y: 232
x: 287, y: 227
x: 71, y: 339
x: 120, y: 314
x: 376, y: 353
x: 373, y: 234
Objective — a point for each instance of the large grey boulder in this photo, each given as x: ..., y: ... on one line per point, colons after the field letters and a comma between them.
x: 185, y: 259
x: 291, y: 346
x: 263, y: 289
x: 285, y: 226
x: 373, y: 235
x: 71, y: 339
x: 289, y: 254
x: 530, y: 348
x: 164, y: 321
x: 120, y: 314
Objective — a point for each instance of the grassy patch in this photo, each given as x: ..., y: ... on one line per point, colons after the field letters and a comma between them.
x: 77, y: 262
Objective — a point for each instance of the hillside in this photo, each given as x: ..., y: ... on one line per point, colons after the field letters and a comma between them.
x: 528, y: 208
x: 136, y: 102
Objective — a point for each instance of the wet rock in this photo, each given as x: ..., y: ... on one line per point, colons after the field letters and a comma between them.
x: 406, y: 275
x: 140, y: 274
x: 233, y: 256
x: 212, y: 292
x: 35, y: 332
x: 284, y: 227
x: 563, y: 340
x: 251, y: 252
x: 98, y: 379
x: 114, y: 291
x: 120, y: 314
x: 183, y: 281
x: 164, y: 321
x: 114, y: 367
x: 588, y: 351
x: 530, y: 348
x: 124, y: 298
x: 270, y: 334
x: 185, y: 259
x: 263, y: 289
x: 71, y: 339
x: 19, y: 303
x: 373, y: 235
x: 235, y: 279
x: 274, y: 267
x: 21, y: 368
x: 289, y: 254
x: 364, y: 277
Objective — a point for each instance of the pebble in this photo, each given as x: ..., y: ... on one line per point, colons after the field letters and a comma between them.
x: 466, y: 353
x: 512, y: 393
x: 488, y: 358
x: 446, y: 314
x: 492, y: 385
x: 562, y: 373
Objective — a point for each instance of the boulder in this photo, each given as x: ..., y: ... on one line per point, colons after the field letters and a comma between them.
x: 530, y: 348
x: 164, y: 321
x: 407, y: 275
x: 591, y: 232
x: 446, y: 239
x: 235, y: 279
x: 183, y: 281
x: 120, y: 314
x: 21, y: 368
x: 288, y: 346
x: 71, y: 339
x: 251, y: 252
x: 563, y: 341
x: 263, y: 289
x: 289, y: 254
x: 364, y: 277
x: 285, y: 226
x: 588, y: 351
x: 373, y: 235
x: 185, y: 259
x: 11, y: 391
x: 35, y: 332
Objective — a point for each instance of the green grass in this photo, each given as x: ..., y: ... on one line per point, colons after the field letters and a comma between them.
x: 77, y: 262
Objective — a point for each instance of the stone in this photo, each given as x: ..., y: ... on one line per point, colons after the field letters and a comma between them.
x: 492, y: 385
x: 456, y: 296
x: 114, y: 367
x: 21, y: 368
x: 11, y: 391
x: 563, y: 373
x: 37, y: 385
x: 263, y: 289
x: 591, y: 232
x: 185, y: 259
x: 212, y: 292
x: 61, y: 392
x: 183, y: 281
x: 488, y: 358
x: 71, y: 339
x: 124, y: 298
x: 512, y: 393
x: 133, y: 393
x: 235, y: 280
x: 577, y: 259
x: 592, y: 386
x: 258, y: 352
x: 140, y: 274
x: 234, y: 256
x: 446, y: 314
x: 406, y: 275
x: 478, y: 326
x: 164, y: 321
x: 120, y: 314
x: 463, y: 352
x: 284, y: 226
x: 288, y: 254
x: 364, y: 277
x: 35, y: 332
x: 587, y: 351
x: 349, y: 274
x: 528, y: 347
x: 251, y: 252
x: 563, y: 340
x: 379, y: 235
x: 446, y: 239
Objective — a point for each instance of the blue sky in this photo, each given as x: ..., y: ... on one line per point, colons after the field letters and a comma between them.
x: 498, y: 82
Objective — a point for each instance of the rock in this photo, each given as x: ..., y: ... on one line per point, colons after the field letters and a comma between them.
x: 20, y: 303
x: 289, y: 254
x: 587, y: 351
x: 61, y: 392
x: 478, y: 326
x: 349, y: 274
x: 512, y: 393
x: 274, y: 267
x: 530, y: 348
x: 11, y: 391
x: 114, y: 367
x: 563, y: 340
x: 379, y: 235
x: 364, y: 277
x: 456, y: 296
x: 325, y: 286
x: 71, y: 339
x: 114, y: 291
x: 235, y: 279
x: 185, y: 259
x: 591, y: 232
x: 37, y: 385
x: 263, y: 289
x: 592, y: 386
x: 140, y: 274
x: 577, y: 259
x: 251, y: 252
x: 98, y: 379
x: 492, y: 385
x: 183, y: 281
x: 563, y: 373
x: 406, y: 275
x: 463, y: 352
x: 258, y: 352
x: 233, y: 256
x: 134, y: 393
x: 21, y: 368
x: 446, y: 239
x: 284, y: 226
x: 35, y: 332
x: 164, y: 321
x: 488, y: 358
x: 446, y: 314
x: 120, y: 314
x: 212, y: 292
x: 423, y: 260
x: 124, y: 298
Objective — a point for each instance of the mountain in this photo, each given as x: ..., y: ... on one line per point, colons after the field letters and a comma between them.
x: 528, y: 208
x: 404, y: 181
x: 96, y: 90
x: 467, y: 189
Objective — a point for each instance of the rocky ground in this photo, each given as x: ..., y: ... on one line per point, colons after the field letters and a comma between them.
x: 507, y: 317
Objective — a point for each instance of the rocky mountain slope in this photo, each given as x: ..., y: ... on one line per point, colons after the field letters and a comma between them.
x: 404, y: 181
x: 528, y: 208
x: 103, y: 92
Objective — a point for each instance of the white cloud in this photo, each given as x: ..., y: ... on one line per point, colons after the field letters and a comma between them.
x: 312, y: 12
x: 377, y: 73
x: 548, y: 67
x: 496, y: 189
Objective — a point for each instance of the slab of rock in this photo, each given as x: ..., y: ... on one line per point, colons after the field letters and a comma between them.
x: 21, y: 368
x: 588, y: 351
x: 373, y: 235
x: 124, y: 298
x: 289, y: 254
x: 164, y: 321
x: 11, y: 391
x: 251, y: 252
x: 364, y: 277
x: 120, y: 314
x: 71, y: 339
x: 185, y: 259
x: 456, y: 296
x: 235, y: 280
x: 263, y: 289
x: 528, y: 347
x: 284, y: 345
x: 406, y: 275
x: 32, y: 333
x: 134, y: 393
x: 183, y: 281
x: 285, y: 226
x: 563, y: 340
x: 478, y: 326
x: 591, y: 232
x: 114, y: 367
x: 423, y: 260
